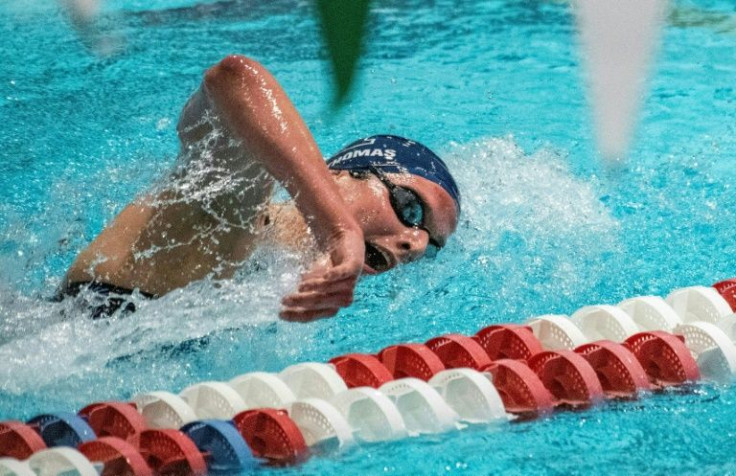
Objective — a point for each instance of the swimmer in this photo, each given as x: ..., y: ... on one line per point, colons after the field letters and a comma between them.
x: 379, y: 202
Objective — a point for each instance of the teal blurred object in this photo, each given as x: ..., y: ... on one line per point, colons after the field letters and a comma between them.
x: 343, y: 25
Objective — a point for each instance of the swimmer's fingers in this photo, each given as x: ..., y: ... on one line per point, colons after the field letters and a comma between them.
x: 346, y: 254
x: 328, y: 286
x: 306, y: 315
x: 319, y: 300
x: 324, y: 272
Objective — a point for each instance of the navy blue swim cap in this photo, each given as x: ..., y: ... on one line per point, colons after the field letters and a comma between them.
x: 394, y: 154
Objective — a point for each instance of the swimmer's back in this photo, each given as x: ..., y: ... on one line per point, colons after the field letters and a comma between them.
x: 203, y: 222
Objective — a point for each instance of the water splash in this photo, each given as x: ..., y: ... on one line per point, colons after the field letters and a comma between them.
x: 46, y: 345
x: 56, y: 345
x: 531, y: 237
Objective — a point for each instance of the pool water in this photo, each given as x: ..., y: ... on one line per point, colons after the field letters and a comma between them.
x: 496, y: 87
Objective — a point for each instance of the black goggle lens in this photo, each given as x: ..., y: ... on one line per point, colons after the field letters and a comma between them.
x: 407, y: 206
x: 409, y: 209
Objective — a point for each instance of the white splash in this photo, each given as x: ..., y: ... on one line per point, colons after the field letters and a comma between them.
x: 44, y: 344
x: 618, y: 40
x: 527, y: 222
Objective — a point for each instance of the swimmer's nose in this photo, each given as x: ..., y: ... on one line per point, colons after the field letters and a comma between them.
x: 412, y: 244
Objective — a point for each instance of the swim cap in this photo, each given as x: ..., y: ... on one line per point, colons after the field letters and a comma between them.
x: 394, y: 154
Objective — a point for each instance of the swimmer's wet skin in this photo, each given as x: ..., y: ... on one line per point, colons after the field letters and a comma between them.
x: 379, y: 202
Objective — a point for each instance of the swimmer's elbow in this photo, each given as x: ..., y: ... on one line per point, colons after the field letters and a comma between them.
x: 233, y: 71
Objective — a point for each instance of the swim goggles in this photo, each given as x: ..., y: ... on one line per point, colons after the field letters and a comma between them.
x: 409, y: 208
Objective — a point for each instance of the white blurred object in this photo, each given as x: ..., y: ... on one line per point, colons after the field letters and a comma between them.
x: 699, y: 303
x: 163, y: 410
x: 618, y: 40
x: 13, y: 467
x: 556, y: 332
x: 371, y: 414
x: 97, y: 34
x: 61, y: 461
x: 604, y: 322
x: 81, y: 12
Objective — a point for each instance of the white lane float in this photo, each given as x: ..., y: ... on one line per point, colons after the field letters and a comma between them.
x: 470, y: 394
x: 263, y: 390
x: 13, y: 467
x: 324, y: 428
x: 556, y: 332
x: 651, y: 313
x: 422, y: 408
x: 604, y: 323
x: 728, y: 325
x: 61, y: 461
x: 699, y: 303
x: 164, y: 410
x: 371, y: 414
x: 712, y: 349
x: 213, y: 400
x: 313, y: 380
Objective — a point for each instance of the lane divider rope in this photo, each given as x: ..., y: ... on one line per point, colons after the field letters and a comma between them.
x: 504, y: 372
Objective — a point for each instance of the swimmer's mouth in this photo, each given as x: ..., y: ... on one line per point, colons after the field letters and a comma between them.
x: 376, y: 259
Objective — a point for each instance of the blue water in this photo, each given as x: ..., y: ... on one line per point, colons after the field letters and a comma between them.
x: 497, y: 88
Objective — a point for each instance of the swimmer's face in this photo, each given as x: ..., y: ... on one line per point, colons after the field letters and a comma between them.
x: 389, y: 241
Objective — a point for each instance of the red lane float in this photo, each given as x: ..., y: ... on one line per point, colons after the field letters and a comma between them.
x: 509, y: 341
x: 727, y: 289
x: 361, y: 370
x: 411, y: 360
x: 521, y: 390
x: 118, y: 457
x: 664, y: 357
x: 117, y: 419
x: 569, y: 377
x: 273, y: 435
x: 618, y: 370
x: 18, y: 440
x: 459, y: 351
x: 170, y: 452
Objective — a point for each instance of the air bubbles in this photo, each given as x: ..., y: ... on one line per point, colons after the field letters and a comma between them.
x: 163, y: 124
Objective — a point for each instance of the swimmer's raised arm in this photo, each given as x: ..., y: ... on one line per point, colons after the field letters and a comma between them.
x: 379, y: 202
x: 256, y: 110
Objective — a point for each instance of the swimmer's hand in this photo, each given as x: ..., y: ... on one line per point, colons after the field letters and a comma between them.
x: 330, y: 283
